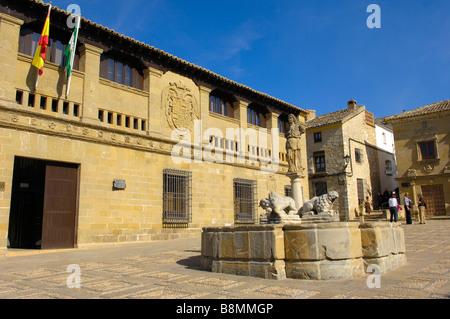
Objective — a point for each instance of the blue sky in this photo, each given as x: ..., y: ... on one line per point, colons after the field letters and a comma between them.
x: 315, y: 54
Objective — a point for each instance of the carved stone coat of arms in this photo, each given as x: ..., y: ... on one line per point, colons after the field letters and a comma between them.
x: 180, y: 105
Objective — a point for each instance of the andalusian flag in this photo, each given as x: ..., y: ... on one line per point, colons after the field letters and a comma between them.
x: 41, y: 50
x: 69, y: 53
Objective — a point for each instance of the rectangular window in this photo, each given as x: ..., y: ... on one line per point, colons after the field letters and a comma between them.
x: 245, y: 201
x: 143, y: 125
x: 54, y: 105
x: 43, y: 104
x: 255, y: 117
x: 65, y: 107
x: 177, y: 198
x: 319, y: 161
x: 100, y: 115
x: 358, y: 155
x: 281, y: 125
x: 127, y: 80
x: 360, y: 185
x: 119, y: 120
x: 110, y: 118
x: 76, y: 110
x: 427, y: 150
x: 119, y: 72
x: 31, y: 98
x: 317, y: 137
x: 19, y: 97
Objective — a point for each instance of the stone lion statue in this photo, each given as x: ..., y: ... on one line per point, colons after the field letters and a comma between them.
x: 279, y: 205
x: 319, y: 204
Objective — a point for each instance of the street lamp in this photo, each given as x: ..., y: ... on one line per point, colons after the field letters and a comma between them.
x: 347, y: 160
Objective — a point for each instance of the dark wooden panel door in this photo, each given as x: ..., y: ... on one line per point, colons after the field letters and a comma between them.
x: 434, y: 197
x: 60, y: 206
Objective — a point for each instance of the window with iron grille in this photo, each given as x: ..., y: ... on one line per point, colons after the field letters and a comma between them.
x: 177, y: 198
x: 245, y: 200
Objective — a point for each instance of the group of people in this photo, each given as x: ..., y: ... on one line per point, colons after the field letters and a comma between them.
x: 394, y: 207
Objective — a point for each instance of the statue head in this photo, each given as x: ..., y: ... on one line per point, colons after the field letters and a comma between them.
x: 292, y: 119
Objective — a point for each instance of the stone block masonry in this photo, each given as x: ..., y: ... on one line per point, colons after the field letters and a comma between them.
x: 327, y: 251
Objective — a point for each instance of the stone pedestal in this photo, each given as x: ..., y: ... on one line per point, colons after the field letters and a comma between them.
x: 296, y: 188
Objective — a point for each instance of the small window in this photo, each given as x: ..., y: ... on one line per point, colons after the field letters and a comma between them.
x: 54, y: 105
x: 110, y: 118
x: 388, y: 164
x: 177, y: 198
x: 100, y: 115
x: 317, y: 137
x: 358, y: 155
x: 31, y: 98
x: 65, y: 107
x: 19, y: 97
x: 245, y: 200
x: 76, y: 110
x: 282, y: 125
x: 143, y: 125
x: 135, y: 124
x: 319, y: 161
x: 43, y: 104
x: 427, y: 150
x: 119, y: 120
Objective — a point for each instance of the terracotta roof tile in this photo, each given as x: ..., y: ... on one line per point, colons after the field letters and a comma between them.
x: 427, y: 109
x: 219, y: 77
x: 333, y: 117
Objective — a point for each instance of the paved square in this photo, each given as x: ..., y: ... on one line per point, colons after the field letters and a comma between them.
x: 171, y: 270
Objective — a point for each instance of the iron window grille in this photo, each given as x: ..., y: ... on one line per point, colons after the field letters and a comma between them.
x: 245, y: 201
x: 177, y: 198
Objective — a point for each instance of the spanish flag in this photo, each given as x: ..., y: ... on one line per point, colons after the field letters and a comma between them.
x: 41, y: 50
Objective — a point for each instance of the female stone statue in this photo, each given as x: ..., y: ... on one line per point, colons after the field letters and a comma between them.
x: 293, y: 144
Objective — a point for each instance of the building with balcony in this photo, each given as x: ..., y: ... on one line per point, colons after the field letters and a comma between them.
x: 145, y: 147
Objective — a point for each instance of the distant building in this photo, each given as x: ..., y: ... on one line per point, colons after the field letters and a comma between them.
x: 331, y: 139
x: 386, y: 156
x: 422, y: 143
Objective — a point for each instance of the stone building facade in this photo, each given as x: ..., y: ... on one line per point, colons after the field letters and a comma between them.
x: 422, y: 141
x: 146, y: 146
x: 386, y: 157
x: 330, y: 139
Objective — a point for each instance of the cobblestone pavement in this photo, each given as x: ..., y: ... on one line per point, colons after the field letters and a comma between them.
x: 171, y: 270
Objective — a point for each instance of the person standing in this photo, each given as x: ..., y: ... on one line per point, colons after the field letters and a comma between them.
x: 393, y: 207
x: 408, y: 205
x: 367, y: 205
x: 422, y: 206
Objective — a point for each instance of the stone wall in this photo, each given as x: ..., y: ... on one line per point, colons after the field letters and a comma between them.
x: 327, y: 251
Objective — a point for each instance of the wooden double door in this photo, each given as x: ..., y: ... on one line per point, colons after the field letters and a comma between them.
x: 434, y: 198
x: 44, y: 201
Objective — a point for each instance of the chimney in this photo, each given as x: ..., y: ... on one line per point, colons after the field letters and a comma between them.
x: 310, y: 114
x: 351, y: 104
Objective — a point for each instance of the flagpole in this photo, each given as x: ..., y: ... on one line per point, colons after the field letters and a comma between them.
x: 37, y: 73
x: 72, y: 56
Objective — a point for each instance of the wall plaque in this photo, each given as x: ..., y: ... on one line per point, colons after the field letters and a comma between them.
x: 119, y: 184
